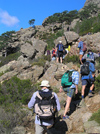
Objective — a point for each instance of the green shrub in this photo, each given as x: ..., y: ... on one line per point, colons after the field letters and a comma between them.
x: 96, y: 116
x: 97, y: 84
x: 11, y: 57
x: 73, y: 58
x: 15, y: 91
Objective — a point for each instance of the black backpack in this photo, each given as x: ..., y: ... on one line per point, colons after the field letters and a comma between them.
x: 45, y: 105
x: 85, y: 68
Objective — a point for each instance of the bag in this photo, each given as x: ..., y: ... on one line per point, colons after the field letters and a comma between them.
x: 84, y: 47
x: 45, y: 105
x: 66, y: 80
x: 60, y: 47
x: 85, y: 68
x: 54, y: 53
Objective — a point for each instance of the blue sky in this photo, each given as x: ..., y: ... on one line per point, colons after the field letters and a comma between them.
x: 15, y: 14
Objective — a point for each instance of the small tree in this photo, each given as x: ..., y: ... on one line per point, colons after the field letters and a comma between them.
x: 31, y: 22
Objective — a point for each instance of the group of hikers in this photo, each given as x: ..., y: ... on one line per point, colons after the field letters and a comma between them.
x: 46, y: 102
x: 59, y: 52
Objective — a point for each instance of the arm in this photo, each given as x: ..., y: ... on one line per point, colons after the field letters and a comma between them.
x: 57, y: 101
x: 75, y: 79
x: 96, y: 55
x: 32, y: 101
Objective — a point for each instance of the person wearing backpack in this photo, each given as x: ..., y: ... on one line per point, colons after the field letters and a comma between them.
x: 80, y: 46
x: 90, y: 56
x: 69, y: 84
x: 46, y: 104
x: 88, y: 78
x: 59, y: 49
x: 53, y: 55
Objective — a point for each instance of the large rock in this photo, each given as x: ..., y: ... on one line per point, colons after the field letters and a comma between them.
x: 71, y: 36
x: 28, y: 50
x: 33, y: 73
x: 62, y: 39
x: 96, y: 2
x: 40, y: 47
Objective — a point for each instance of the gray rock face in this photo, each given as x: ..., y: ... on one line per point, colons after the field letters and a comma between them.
x: 97, y: 2
x: 71, y: 36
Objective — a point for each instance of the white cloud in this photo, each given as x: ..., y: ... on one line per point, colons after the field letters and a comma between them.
x: 7, y: 19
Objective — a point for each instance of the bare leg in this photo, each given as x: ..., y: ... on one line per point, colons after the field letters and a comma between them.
x: 61, y: 59
x: 91, y: 88
x: 83, y: 90
x: 68, y: 101
x: 80, y: 57
x: 57, y: 59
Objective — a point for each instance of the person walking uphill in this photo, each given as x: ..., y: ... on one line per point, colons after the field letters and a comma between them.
x: 59, y: 49
x: 46, y: 104
x: 88, y: 77
x: 80, y: 46
x: 69, y: 84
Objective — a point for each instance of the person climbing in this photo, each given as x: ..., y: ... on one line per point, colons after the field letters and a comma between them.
x: 46, y: 104
x: 53, y: 55
x: 88, y: 78
x: 80, y: 46
x: 90, y: 56
x: 59, y: 49
x: 69, y: 84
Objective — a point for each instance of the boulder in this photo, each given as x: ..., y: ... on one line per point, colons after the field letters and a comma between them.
x: 28, y: 50
x: 71, y: 36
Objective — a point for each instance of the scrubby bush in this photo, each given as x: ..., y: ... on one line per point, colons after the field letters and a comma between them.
x: 11, y: 57
x: 97, y: 84
x: 96, y: 116
x: 15, y: 91
x: 73, y: 58
x: 41, y: 61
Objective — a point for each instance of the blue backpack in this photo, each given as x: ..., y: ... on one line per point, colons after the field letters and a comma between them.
x: 60, y: 47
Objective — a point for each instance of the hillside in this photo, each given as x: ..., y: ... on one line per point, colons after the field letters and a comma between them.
x: 24, y: 64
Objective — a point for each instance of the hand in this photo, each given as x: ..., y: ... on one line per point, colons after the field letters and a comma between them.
x: 60, y: 90
x: 76, y: 91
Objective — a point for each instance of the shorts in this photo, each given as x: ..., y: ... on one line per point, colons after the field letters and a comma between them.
x: 60, y: 54
x: 70, y: 91
x: 81, y: 53
x: 88, y: 81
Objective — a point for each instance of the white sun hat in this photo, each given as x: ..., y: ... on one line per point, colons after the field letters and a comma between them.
x: 60, y: 41
x: 45, y: 83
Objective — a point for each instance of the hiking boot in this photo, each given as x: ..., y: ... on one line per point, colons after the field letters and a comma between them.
x: 90, y: 95
x: 82, y: 103
x: 65, y: 117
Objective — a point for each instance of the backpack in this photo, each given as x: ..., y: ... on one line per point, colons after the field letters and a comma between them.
x: 66, y: 80
x: 85, y: 68
x: 60, y: 47
x: 84, y: 47
x: 54, y: 52
x: 45, y: 105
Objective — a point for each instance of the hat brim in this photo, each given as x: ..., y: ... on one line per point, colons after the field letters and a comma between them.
x: 44, y: 85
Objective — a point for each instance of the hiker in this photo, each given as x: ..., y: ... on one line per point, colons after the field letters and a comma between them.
x: 90, y: 56
x: 80, y: 46
x: 69, y: 85
x: 43, y: 120
x: 64, y: 53
x: 88, y: 78
x: 59, y: 49
x: 48, y: 52
x: 53, y: 55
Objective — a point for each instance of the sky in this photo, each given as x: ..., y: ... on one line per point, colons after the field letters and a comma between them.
x: 15, y: 14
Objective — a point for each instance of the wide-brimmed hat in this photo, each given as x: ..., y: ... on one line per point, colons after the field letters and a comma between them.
x: 60, y: 41
x: 45, y: 83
